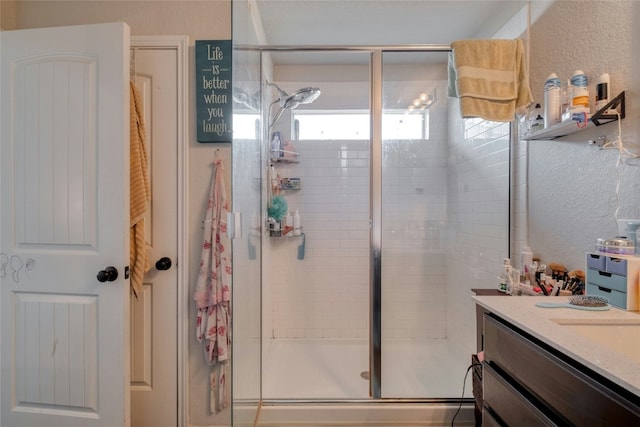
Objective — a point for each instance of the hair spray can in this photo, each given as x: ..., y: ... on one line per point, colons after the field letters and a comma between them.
x: 552, y: 113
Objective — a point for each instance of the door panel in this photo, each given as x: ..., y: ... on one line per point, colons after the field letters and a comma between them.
x: 56, y: 333
x: 55, y: 90
x: 63, y: 218
x: 154, y: 321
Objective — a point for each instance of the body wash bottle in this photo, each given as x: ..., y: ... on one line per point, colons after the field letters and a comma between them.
x: 288, y: 224
x: 297, y: 230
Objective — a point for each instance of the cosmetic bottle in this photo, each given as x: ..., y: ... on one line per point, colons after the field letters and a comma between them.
x: 297, y: 230
x: 276, y: 151
x: 526, y: 259
x: 505, y: 284
x: 580, y: 92
x: 602, y: 91
x: 552, y: 113
x: 288, y: 225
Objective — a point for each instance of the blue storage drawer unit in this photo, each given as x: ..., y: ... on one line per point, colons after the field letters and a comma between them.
x: 615, y: 278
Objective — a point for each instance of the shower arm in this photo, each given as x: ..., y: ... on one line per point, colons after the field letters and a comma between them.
x: 277, y: 116
x: 281, y: 101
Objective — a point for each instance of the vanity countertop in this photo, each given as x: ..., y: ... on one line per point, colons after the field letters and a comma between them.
x: 554, y: 327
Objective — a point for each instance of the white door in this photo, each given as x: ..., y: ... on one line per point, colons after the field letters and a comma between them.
x: 63, y: 219
x: 154, y: 315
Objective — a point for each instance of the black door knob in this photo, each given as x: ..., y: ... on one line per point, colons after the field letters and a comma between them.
x: 163, y: 263
x: 109, y: 274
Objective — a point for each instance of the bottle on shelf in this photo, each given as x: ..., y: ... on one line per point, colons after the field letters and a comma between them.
x: 276, y: 151
x: 526, y: 260
x: 580, y: 95
x: 287, y: 230
x: 552, y: 105
x: 297, y: 229
x: 505, y: 281
x: 602, y: 91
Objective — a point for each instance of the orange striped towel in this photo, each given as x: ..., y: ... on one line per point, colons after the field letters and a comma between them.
x: 140, y: 192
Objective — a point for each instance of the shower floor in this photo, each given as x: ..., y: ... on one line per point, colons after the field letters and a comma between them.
x: 331, y: 369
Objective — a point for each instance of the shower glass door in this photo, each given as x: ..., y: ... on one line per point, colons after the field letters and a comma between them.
x: 246, y: 168
x: 444, y: 222
x: 315, y: 285
x: 404, y: 208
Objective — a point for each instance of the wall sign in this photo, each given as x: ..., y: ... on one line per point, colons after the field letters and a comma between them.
x: 214, y: 100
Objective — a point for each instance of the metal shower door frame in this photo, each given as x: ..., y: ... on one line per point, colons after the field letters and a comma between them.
x: 375, y: 187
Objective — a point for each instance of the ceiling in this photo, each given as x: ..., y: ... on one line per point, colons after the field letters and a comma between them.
x: 379, y: 22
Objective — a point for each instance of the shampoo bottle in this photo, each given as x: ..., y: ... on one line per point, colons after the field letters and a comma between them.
x: 275, y: 146
x: 505, y: 283
x: 580, y: 92
x: 288, y: 224
x: 297, y: 230
x: 552, y: 105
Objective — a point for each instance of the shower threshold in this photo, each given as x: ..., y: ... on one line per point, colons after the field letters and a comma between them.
x: 372, y: 412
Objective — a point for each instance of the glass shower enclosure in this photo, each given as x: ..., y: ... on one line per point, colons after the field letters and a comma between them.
x: 403, y: 208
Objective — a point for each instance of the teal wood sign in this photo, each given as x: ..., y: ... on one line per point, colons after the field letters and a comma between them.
x: 214, y: 100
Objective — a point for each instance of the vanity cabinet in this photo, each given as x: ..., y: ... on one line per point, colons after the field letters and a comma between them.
x: 529, y: 383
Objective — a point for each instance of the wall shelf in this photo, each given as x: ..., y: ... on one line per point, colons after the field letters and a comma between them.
x: 289, y: 184
x: 284, y: 156
x: 601, y: 117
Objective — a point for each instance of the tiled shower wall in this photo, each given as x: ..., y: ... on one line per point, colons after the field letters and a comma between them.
x: 478, y: 211
x: 326, y: 295
x: 445, y: 231
x: 414, y: 224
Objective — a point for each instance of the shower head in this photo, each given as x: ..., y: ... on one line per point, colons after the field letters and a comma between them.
x: 306, y: 95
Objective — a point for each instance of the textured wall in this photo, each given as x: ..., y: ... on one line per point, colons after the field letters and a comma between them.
x: 572, y: 186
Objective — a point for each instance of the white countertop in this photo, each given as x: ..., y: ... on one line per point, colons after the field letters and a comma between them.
x: 522, y: 312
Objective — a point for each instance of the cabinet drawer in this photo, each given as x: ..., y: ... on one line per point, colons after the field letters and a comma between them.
x: 573, y: 391
x: 608, y: 280
x: 619, y: 299
x: 595, y: 261
x: 512, y: 408
x: 488, y: 420
x: 616, y: 266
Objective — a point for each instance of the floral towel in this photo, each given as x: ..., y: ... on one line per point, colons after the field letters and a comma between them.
x: 212, y: 294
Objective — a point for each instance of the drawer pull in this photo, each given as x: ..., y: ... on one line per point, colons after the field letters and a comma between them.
x: 604, y: 273
x: 600, y: 288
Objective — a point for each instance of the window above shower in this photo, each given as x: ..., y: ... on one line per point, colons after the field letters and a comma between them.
x: 355, y: 125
